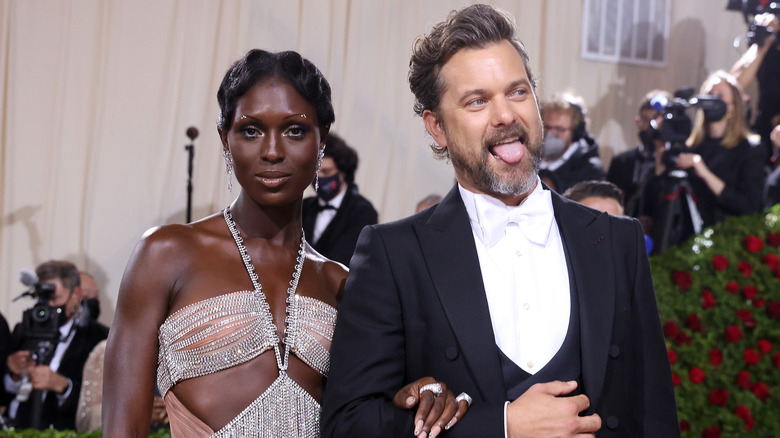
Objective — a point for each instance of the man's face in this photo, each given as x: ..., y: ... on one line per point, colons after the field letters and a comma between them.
x: 63, y: 297
x: 488, y: 119
x: 558, y: 123
x: 329, y: 168
x: 646, y: 116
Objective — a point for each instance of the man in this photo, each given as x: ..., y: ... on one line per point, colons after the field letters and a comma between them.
x: 519, y: 314
x: 633, y: 169
x: 601, y: 195
x: 570, y: 154
x: 333, y: 219
x: 53, y: 374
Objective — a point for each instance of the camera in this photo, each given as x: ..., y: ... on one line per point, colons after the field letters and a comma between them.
x: 677, y: 126
x: 40, y: 323
x: 757, y: 33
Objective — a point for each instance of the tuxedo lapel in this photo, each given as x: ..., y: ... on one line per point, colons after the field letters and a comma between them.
x: 448, y: 246
x: 589, y: 259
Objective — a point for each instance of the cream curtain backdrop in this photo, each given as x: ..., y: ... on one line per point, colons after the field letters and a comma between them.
x: 96, y: 95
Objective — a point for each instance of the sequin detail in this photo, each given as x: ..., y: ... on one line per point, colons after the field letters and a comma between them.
x: 227, y: 330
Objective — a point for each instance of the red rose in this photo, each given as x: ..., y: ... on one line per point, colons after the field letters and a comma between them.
x: 707, y: 299
x: 711, y: 432
x: 716, y: 357
x: 743, y: 413
x: 771, y: 260
x: 682, y: 338
x: 773, y: 239
x: 764, y: 346
x: 761, y: 391
x: 745, y: 268
x: 693, y: 322
x: 720, y: 263
x: 751, y: 356
x: 747, y: 317
x: 672, y: 357
x: 749, y: 292
x: 670, y: 329
x: 718, y: 397
x: 676, y: 380
x: 732, y: 287
x: 753, y: 244
x: 682, y: 279
x: 774, y: 309
x: 696, y: 375
x: 759, y: 303
x: 743, y: 379
x: 685, y: 426
x: 733, y: 334
x: 776, y: 360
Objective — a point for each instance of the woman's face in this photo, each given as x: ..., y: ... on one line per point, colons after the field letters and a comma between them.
x: 274, y: 139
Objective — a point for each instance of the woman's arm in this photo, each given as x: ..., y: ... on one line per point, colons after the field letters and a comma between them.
x: 131, y: 353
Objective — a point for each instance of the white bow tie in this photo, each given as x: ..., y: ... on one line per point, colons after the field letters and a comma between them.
x: 534, y: 217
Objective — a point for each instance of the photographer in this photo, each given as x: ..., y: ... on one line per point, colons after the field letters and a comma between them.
x: 762, y: 61
x: 722, y: 160
x: 58, y: 374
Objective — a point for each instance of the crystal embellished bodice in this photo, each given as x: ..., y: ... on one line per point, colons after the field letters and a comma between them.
x: 228, y: 330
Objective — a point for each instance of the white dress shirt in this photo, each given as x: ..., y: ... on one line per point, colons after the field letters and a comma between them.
x: 325, y: 216
x: 524, y: 272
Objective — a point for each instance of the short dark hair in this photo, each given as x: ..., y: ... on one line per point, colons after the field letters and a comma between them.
x: 257, y: 65
x: 475, y: 26
x: 345, y: 157
x: 65, y: 271
x: 594, y: 189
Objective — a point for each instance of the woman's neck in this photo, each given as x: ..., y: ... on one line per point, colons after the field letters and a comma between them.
x: 279, y: 224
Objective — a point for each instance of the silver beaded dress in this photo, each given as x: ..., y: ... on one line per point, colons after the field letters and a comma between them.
x: 224, y: 331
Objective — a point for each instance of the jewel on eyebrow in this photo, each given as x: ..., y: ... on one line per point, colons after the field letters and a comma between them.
x: 303, y: 115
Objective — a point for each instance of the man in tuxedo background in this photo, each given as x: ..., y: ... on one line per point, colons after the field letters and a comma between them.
x: 332, y: 220
x: 59, y: 375
x: 539, y: 310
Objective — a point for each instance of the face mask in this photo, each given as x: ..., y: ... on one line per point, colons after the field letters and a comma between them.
x: 329, y: 187
x: 92, y: 307
x: 648, y: 137
x: 552, y: 146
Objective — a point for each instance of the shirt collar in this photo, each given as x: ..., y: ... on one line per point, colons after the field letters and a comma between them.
x: 489, y: 216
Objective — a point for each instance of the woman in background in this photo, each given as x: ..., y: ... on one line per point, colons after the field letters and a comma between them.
x: 724, y: 161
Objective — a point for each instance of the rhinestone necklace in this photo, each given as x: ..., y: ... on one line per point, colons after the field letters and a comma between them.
x: 281, y: 360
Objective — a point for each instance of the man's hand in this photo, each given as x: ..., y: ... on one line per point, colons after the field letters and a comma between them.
x: 43, y: 378
x: 540, y: 412
x: 434, y: 413
x: 19, y: 362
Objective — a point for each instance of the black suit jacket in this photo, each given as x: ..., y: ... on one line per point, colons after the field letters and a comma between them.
x: 341, y: 235
x: 415, y: 306
x: 72, y: 365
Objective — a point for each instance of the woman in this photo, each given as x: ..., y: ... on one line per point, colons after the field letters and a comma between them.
x: 724, y: 163
x: 251, y: 362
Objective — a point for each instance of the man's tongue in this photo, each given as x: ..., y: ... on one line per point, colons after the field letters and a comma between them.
x: 510, y: 153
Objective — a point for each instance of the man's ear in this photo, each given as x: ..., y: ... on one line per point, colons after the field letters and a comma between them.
x: 434, y: 127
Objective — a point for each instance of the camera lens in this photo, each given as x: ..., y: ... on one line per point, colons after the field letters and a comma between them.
x: 41, y: 314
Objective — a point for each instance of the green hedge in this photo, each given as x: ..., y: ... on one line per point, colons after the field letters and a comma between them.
x: 52, y: 433
x: 719, y: 300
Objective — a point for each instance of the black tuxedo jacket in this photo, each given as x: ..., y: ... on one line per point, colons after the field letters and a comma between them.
x: 341, y: 235
x: 415, y: 306
x: 72, y: 365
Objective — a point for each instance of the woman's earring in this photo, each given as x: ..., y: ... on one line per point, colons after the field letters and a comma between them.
x: 229, y: 169
x: 320, y: 154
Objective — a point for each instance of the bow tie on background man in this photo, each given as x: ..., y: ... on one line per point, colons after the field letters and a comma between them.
x: 325, y: 207
x: 534, y: 217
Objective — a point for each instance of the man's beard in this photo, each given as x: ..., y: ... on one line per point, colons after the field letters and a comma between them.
x: 486, y: 178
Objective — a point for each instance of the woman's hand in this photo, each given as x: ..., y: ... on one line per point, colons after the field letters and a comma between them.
x: 436, y: 412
